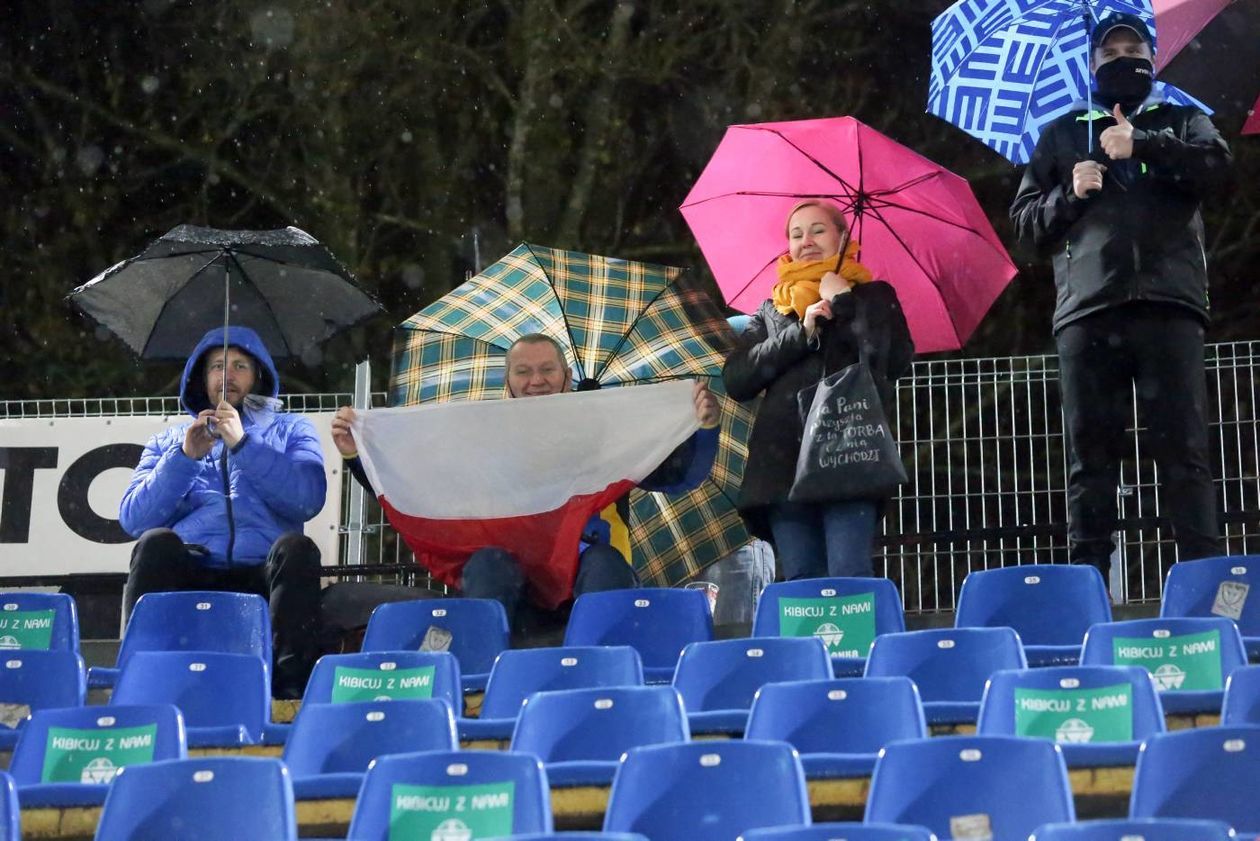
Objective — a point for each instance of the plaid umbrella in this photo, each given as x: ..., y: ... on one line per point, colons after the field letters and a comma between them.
x: 620, y: 323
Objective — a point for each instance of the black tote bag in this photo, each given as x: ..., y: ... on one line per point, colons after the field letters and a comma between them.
x: 847, y: 450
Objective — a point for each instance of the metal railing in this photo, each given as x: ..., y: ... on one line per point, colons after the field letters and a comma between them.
x: 982, y: 440
x: 983, y: 443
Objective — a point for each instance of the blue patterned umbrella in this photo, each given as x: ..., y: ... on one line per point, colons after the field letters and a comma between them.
x: 1002, y: 69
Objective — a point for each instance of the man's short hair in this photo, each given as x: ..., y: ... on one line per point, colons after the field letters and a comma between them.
x: 538, y: 339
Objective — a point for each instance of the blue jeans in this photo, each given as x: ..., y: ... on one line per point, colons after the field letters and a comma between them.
x: 828, y: 539
x: 741, y: 576
x: 494, y: 573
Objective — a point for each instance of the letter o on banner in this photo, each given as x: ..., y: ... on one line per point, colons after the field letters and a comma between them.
x: 72, y: 493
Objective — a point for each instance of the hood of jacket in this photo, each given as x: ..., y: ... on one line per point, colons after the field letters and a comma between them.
x: 192, y: 386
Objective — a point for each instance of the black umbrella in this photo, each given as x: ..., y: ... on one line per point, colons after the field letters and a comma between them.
x: 283, y: 284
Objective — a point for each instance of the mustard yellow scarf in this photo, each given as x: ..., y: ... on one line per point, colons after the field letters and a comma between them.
x: 799, y: 280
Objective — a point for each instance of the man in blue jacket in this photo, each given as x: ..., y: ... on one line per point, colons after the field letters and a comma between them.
x: 1122, y: 226
x: 192, y: 538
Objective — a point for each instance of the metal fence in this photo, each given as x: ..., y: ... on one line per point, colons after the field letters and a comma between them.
x: 983, y: 442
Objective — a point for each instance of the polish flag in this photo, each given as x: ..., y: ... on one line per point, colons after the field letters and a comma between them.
x: 524, y: 474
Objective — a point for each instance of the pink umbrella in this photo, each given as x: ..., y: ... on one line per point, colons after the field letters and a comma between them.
x: 1177, y: 22
x: 919, y: 225
x: 1252, y: 126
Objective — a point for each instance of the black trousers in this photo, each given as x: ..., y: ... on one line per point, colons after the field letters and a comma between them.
x: 1157, y: 351
x: 289, y: 580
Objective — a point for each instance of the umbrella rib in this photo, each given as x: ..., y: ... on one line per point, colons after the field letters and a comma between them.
x: 454, y: 334
x: 288, y: 348
x: 564, y: 316
x: 915, y: 259
x: 809, y: 157
x: 626, y: 335
x: 960, y: 226
x: 167, y: 302
x: 755, y: 275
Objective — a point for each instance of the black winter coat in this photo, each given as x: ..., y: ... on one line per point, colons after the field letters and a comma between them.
x: 774, y: 356
x: 1140, y: 238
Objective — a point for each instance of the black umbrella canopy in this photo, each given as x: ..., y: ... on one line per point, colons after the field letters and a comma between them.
x: 283, y: 284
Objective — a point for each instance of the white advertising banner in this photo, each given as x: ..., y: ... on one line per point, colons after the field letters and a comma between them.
x: 61, y: 480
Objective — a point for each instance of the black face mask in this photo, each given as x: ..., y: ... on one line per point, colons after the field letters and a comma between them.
x: 1126, y: 81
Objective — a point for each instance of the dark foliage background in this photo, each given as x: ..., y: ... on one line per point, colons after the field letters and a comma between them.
x: 414, y: 137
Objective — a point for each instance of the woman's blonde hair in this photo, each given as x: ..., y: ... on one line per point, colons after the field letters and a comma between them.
x: 830, y: 209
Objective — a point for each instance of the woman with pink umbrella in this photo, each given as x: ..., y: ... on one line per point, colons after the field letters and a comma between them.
x: 825, y: 313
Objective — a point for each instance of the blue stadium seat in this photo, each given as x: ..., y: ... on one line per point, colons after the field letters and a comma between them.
x: 477, y: 628
x: 192, y: 620
x: 219, y: 798
x: 580, y: 734
x: 705, y: 791
x: 1189, y: 657
x: 10, y: 814
x: 482, y: 793
x: 842, y: 832
x: 225, y: 698
x: 67, y: 757
x: 380, y: 675
x: 838, y: 726
x: 1209, y: 773
x: 949, y: 666
x: 38, y: 621
x: 1099, y: 715
x: 1136, y: 829
x: 846, y: 613
x: 331, y: 745
x: 658, y: 622
x: 580, y: 836
x: 37, y: 680
x: 1050, y: 606
x: 372, y: 675
x: 961, y: 786
x: 717, y: 680
x: 1211, y: 587
x: 1242, y: 697
x: 519, y: 673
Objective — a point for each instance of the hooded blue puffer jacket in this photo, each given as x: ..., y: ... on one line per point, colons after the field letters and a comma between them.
x: 277, y: 471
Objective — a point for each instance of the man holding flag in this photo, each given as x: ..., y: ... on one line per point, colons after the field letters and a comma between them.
x: 535, y: 367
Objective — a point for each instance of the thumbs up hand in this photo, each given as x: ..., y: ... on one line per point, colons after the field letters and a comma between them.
x: 1117, y: 141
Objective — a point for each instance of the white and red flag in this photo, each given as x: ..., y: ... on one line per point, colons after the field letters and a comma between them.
x: 525, y: 474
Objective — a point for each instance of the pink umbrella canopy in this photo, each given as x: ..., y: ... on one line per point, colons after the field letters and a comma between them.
x: 1252, y: 126
x: 1177, y: 22
x: 919, y: 225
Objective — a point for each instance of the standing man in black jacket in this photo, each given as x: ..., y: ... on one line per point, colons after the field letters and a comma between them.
x: 1122, y: 226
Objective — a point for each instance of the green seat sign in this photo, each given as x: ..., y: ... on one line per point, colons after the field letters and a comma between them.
x: 1191, y: 661
x: 450, y: 813
x: 29, y: 629
x: 95, y: 756
x: 845, y: 623
x: 351, y: 685
x: 1101, y: 714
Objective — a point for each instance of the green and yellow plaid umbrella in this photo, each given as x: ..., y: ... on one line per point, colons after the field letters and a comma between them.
x: 620, y: 323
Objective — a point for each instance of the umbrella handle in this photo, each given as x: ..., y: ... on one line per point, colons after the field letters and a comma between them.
x: 227, y: 270
x: 1087, y: 14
